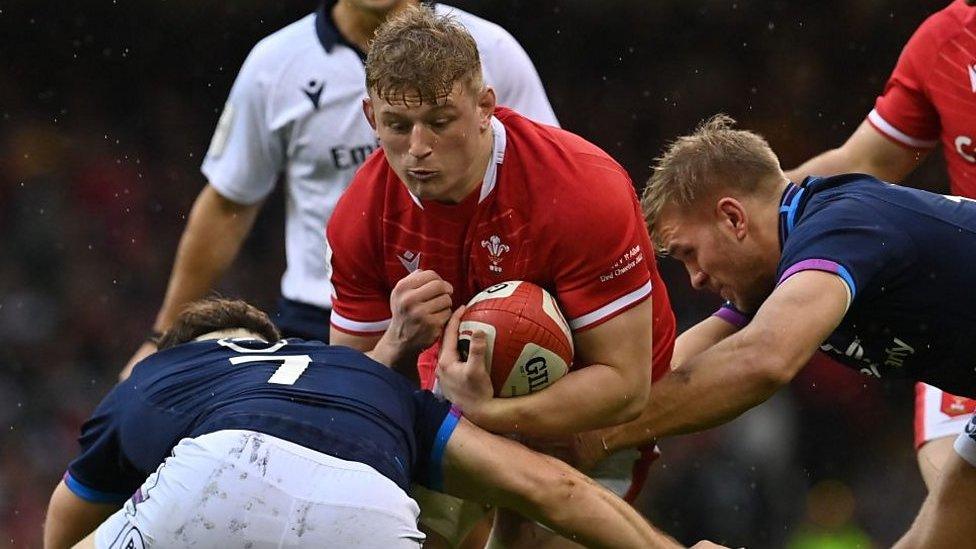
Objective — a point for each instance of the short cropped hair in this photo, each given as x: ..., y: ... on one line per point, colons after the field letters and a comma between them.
x: 215, y: 314
x: 418, y: 54
x: 714, y: 157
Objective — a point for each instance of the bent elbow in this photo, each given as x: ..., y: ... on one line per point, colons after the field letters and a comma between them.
x: 772, y: 372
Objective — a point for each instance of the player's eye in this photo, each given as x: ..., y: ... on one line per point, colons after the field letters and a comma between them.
x: 398, y: 127
x: 440, y: 123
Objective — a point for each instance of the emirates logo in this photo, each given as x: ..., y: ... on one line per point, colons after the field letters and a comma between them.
x: 495, y: 249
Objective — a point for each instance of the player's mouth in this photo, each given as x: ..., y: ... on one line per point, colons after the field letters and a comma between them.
x: 422, y: 175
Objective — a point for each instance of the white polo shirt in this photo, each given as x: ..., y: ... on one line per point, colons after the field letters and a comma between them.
x: 296, y: 109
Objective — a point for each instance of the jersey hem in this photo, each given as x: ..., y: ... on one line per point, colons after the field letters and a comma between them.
x: 91, y: 495
x: 356, y: 327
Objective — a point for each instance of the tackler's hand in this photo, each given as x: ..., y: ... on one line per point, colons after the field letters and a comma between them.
x: 462, y: 373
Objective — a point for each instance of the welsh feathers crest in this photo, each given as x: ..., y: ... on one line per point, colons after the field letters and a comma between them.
x: 495, y: 249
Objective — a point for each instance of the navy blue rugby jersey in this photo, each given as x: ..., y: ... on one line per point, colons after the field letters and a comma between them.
x: 908, y: 258
x: 334, y: 400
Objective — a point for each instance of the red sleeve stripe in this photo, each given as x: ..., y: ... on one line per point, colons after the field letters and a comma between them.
x: 353, y: 326
x: 894, y: 133
x: 611, y: 308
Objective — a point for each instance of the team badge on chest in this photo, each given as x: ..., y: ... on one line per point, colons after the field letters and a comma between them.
x: 495, y: 248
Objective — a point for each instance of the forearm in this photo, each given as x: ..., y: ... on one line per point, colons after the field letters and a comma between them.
x: 710, y: 389
x: 213, y: 236
x: 699, y: 338
x: 865, y: 151
x: 589, y: 398
x: 69, y: 518
x: 585, y: 512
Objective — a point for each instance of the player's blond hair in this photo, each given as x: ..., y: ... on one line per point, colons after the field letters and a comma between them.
x: 416, y: 57
x: 714, y: 157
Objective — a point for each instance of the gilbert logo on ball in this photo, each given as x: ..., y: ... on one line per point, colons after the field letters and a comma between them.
x: 529, y: 344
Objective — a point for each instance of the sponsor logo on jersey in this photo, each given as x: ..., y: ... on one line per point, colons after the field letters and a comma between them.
x: 344, y: 158
x: 896, y: 354
x: 972, y: 76
x: 495, y: 249
x: 953, y: 405
x: 313, y: 90
x: 410, y: 260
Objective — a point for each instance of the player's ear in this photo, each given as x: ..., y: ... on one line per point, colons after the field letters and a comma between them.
x: 368, y: 111
x: 732, y: 217
x: 486, y: 106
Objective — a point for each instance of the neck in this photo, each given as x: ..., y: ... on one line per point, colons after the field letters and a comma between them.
x: 358, y: 25
x: 770, y: 220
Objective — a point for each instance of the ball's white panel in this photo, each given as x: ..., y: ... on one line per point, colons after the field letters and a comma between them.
x: 468, y: 327
x: 502, y: 289
x: 535, y: 369
x: 551, y: 309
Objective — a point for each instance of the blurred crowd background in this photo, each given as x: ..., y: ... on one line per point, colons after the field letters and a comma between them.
x: 107, y: 106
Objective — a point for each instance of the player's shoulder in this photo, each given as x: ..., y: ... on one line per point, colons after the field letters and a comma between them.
x: 370, y: 183
x: 939, y: 29
x: 571, y: 182
x: 841, y: 189
x: 373, y: 191
x: 286, y: 44
x: 570, y: 163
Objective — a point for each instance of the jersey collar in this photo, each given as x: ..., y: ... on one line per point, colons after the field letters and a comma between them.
x: 788, y: 207
x: 329, y: 34
x: 490, y: 181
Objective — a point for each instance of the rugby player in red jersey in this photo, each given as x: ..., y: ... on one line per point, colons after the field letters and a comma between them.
x: 930, y: 98
x: 466, y: 194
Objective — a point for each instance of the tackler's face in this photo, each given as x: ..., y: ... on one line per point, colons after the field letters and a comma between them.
x: 716, y: 259
x: 435, y: 148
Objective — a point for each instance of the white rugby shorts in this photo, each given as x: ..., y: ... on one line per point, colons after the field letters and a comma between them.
x: 236, y: 488
x: 965, y: 444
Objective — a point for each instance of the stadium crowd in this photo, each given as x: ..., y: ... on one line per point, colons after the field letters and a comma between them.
x: 107, y: 110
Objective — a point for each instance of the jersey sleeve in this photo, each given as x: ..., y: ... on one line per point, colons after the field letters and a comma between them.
x: 434, y: 424
x: 515, y: 80
x: 904, y: 113
x: 851, y: 239
x: 246, y: 153
x: 729, y: 313
x: 101, y: 473
x: 607, y: 272
x: 361, y: 298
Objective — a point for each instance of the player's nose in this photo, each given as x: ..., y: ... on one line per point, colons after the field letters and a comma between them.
x: 420, y: 141
x: 699, y: 280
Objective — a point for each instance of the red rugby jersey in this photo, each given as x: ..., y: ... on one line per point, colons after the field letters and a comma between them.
x: 931, y: 95
x: 553, y: 209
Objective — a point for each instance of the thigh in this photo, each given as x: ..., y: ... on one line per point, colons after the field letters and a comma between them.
x: 939, y: 418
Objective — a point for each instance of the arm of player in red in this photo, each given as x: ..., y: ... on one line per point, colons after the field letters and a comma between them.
x: 744, y: 369
x: 611, y: 390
